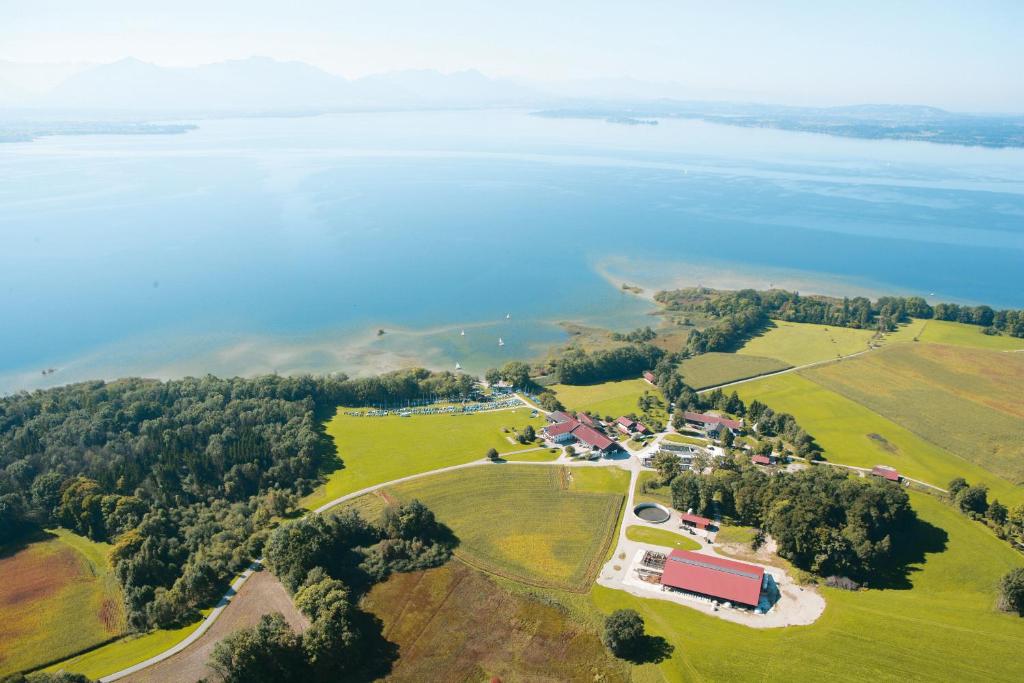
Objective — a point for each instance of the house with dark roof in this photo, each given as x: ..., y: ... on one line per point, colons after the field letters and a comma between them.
x: 886, y: 472
x: 559, y: 416
x: 713, y: 577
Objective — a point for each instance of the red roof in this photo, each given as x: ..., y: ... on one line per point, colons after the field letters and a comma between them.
x: 586, y: 419
x: 592, y: 437
x: 761, y: 460
x: 715, y: 576
x: 626, y: 422
x: 885, y: 472
x: 649, y: 376
x: 697, y: 520
x: 561, y: 428
x: 642, y: 428
x: 711, y: 419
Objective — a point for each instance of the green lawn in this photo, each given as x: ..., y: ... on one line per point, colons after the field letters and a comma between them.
x: 802, y: 343
x: 540, y: 455
x: 682, y: 438
x: 660, y: 494
x: 960, y: 334
x: 542, y: 525
x: 126, y: 652
x: 662, y: 537
x: 943, y: 628
x: 58, y: 596
x: 852, y: 434
x: 609, y: 399
x: 712, y: 369
x: 379, y: 449
x: 962, y: 399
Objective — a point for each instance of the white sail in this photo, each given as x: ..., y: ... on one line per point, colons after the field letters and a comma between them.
x: 508, y: 316
x: 462, y: 333
x: 501, y: 342
x: 458, y: 366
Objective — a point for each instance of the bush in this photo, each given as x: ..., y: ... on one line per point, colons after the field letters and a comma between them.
x: 843, y: 582
x: 1011, y: 592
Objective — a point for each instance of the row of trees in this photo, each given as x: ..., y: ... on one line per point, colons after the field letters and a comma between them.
x: 577, y: 366
x: 882, y: 314
x: 823, y: 520
x: 326, y: 562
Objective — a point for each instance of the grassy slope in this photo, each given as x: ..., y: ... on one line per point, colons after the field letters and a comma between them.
x: 802, y: 343
x: 965, y: 400
x: 57, y: 596
x: 661, y: 495
x: 944, y: 628
x: 842, y: 427
x: 662, y: 537
x: 959, y: 334
x: 607, y: 399
x: 538, y: 524
x: 380, y: 449
x: 126, y: 652
x: 457, y: 624
x: 712, y: 369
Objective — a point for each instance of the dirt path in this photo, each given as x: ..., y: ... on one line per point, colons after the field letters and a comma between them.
x: 795, y: 368
x: 261, y: 594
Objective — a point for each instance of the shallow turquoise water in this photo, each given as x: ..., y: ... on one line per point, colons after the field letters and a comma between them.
x: 284, y: 244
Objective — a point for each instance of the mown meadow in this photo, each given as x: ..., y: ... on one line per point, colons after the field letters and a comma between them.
x: 713, y: 369
x: 802, y: 343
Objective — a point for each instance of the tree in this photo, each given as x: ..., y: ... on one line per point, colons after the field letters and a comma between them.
x: 549, y: 401
x: 973, y: 499
x: 492, y: 376
x: 269, y: 651
x: 667, y: 464
x: 527, y: 435
x: 570, y: 450
x: 492, y: 454
x: 955, y: 486
x: 623, y: 632
x: 997, y: 512
x: 726, y: 439
x: 1011, y: 591
x: 516, y: 373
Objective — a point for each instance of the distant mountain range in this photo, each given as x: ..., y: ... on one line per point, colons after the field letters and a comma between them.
x: 260, y: 84
x: 134, y: 91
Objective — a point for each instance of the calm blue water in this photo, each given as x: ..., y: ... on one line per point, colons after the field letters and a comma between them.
x: 284, y: 244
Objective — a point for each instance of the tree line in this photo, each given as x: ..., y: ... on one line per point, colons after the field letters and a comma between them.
x: 823, y: 520
x: 184, y: 477
x: 326, y: 562
x: 740, y: 312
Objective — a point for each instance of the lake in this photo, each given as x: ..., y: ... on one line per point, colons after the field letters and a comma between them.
x: 261, y: 244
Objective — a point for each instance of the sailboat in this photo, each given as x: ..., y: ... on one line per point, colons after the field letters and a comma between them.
x: 462, y: 333
x: 501, y: 342
x: 458, y: 366
x: 508, y: 316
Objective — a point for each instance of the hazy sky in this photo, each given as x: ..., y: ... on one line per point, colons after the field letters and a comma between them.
x: 964, y: 55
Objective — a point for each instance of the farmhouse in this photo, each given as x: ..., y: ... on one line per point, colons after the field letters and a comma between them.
x: 714, y: 577
x: 711, y: 424
x: 625, y: 425
x: 559, y: 416
x: 571, y: 430
x: 649, y: 376
x: 763, y: 459
x: 886, y: 472
x: 586, y: 419
x: 695, y: 521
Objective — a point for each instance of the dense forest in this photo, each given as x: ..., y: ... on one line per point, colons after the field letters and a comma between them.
x: 823, y: 520
x: 185, y: 477
x: 740, y: 313
x: 625, y: 362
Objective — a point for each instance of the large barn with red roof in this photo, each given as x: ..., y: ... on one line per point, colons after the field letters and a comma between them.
x: 714, y: 577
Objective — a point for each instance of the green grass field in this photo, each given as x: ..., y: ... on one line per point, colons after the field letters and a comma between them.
x: 542, y: 525
x: 962, y: 399
x: 541, y: 455
x: 802, y: 343
x: 661, y: 494
x: 712, y: 369
x: 662, y: 537
x: 610, y: 399
x: 683, y: 438
x: 852, y: 434
x: 457, y: 624
x: 942, y: 628
x: 379, y: 449
x: 126, y: 652
x: 58, y: 596
x: 960, y: 334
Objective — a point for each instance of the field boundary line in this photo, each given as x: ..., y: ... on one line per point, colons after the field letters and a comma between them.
x: 795, y: 368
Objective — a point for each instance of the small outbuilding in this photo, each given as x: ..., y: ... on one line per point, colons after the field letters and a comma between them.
x: 695, y: 521
x: 886, y: 472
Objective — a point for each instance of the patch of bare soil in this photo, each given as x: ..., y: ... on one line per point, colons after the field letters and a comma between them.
x: 32, y: 575
x: 261, y: 594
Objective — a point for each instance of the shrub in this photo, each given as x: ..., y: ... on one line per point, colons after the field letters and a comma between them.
x: 1011, y: 592
x: 623, y: 632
